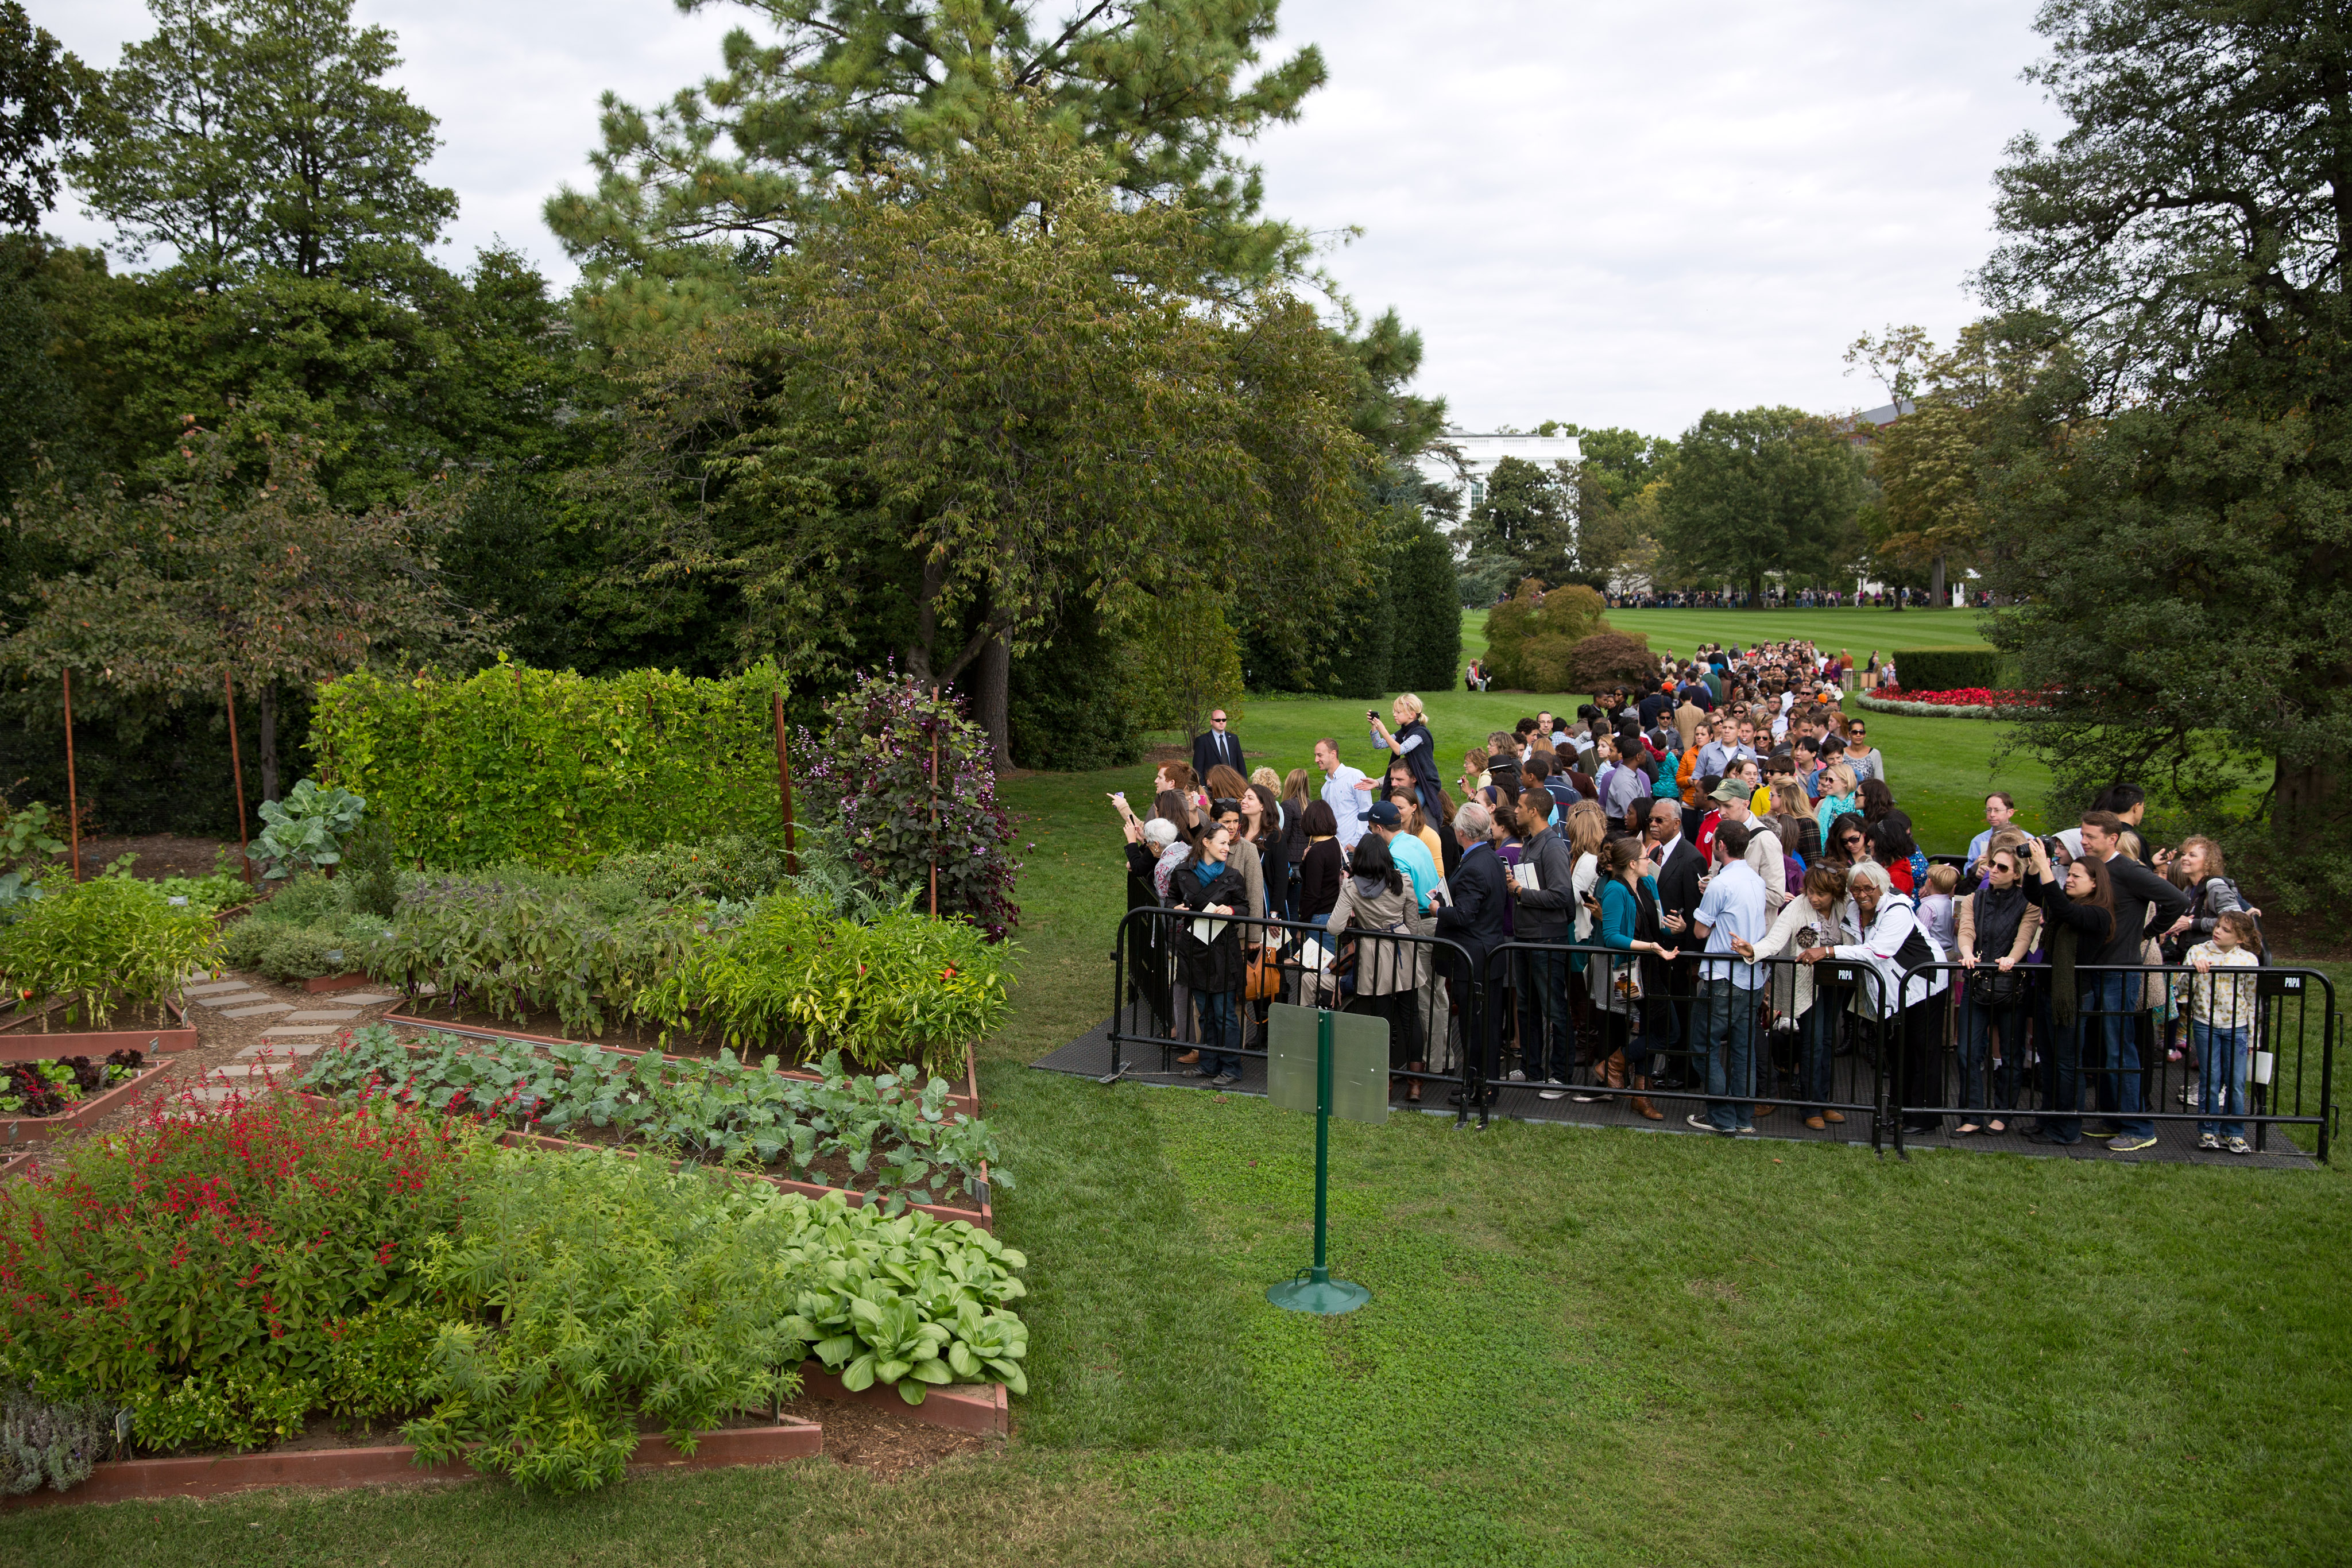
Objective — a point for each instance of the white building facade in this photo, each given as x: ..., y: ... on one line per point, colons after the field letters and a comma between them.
x: 1480, y: 451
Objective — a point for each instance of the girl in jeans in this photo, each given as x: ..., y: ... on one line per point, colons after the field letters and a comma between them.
x: 2222, y: 1010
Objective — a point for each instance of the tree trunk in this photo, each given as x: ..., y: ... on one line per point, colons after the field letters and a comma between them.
x: 265, y: 715
x: 990, y: 681
x: 927, y: 624
x: 2303, y: 802
x: 1936, y: 584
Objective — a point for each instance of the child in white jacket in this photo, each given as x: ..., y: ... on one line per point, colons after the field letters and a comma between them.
x: 2222, y: 1008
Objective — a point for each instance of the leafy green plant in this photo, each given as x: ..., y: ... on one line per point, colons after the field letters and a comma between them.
x: 899, y: 1138
x: 102, y: 943
x: 556, y: 769
x: 731, y: 868
x: 514, y: 940
x: 206, y: 894
x: 910, y: 1302
x: 26, y: 836
x: 306, y: 829
x: 311, y: 927
x: 902, y: 988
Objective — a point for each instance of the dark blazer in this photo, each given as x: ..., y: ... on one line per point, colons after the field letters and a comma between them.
x: 2145, y: 904
x: 1476, y: 917
x: 1678, y: 892
x: 1210, y: 750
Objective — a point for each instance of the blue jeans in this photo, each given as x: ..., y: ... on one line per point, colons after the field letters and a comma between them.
x: 2223, y: 1055
x: 1220, y: 1031
x: 1546, y: 1027
x: 1981, y: 1084
x: 1729, y: 1015
x: 1817, y: 1049
x: 2116, y: 999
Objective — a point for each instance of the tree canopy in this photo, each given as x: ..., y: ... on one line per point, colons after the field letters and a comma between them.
x: 2168, y: 493
x: 1759, y: 492
x: 41, y: 89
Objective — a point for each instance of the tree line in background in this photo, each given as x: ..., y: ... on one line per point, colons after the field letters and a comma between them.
x: 919, y: 336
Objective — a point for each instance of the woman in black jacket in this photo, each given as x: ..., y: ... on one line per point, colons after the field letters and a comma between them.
x: 1209, y: 951
x: 1323, y: 867
x: 2079, y: 915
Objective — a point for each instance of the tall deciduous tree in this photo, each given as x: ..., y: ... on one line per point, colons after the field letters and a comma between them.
x: 1527, y: 517
x: 41, y: 89
x: 2169, y: 496
x: 251, y: 134
x: 693, y: 192
x: 269, y: 582
x: 1759, y: 492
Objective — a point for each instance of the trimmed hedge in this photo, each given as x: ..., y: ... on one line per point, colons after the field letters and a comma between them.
x: 558, y: 770
x: 1947, y: 669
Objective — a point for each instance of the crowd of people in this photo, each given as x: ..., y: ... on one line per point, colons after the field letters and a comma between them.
x: 1700, y: 887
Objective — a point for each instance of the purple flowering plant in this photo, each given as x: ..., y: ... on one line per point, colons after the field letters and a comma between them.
x: 873, y: 767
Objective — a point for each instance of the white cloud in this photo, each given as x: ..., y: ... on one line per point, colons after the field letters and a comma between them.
x: 1610, y: 214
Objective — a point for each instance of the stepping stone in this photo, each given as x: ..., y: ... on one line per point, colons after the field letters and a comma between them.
x: 320, y: 1017
x: 242, y: 995
x: 283, y: 1051
x: 315, y: 1032
x: 217, y: 986
x: 365, y: 999
x: 258, y: 1013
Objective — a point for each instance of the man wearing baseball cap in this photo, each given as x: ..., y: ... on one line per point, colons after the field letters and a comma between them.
x: 1412, y: 856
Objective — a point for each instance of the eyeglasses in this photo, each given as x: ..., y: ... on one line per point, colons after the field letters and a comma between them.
x: 1852, y: 839
x: 1216, y: 718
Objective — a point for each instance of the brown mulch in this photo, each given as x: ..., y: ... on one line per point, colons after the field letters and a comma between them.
x: 880, y: 1441
x: 160, y: 854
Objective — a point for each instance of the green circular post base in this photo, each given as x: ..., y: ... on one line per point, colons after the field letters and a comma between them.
x: 1316, y: 1291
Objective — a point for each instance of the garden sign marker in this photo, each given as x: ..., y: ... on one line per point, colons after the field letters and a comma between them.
x: 1345, y: 1071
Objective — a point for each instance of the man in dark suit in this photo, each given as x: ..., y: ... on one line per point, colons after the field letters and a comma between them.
x: 1680, y: 868
x: 1474, y: 918
x: 1219, y: 746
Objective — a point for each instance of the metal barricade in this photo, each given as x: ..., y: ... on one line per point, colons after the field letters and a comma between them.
x: 1426, y: 986
x: 2147, y: 1042
x: 1804, y: 1039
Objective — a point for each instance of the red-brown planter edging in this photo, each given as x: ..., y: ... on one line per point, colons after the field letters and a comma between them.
x: 41, y: 1129
x: 967, y: 1100
x: 18, y: 1165
x: 352, y: 981
x: 980, y: 1407
x: 123, y: 1480
x: 97, y: 1042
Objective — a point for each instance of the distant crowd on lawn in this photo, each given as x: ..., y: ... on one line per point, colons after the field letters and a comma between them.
x: 1780, y: 599
x: 1692, y: 874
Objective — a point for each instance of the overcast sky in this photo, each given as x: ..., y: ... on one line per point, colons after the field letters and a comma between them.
x: 1610, y: 213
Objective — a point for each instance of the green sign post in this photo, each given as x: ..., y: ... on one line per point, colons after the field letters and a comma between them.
x: 1347, y: 1071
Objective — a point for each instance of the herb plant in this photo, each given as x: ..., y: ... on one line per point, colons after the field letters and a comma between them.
x: 101, y: 943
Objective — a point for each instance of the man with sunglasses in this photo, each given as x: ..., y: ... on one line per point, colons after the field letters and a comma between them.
x: 1219, y: 746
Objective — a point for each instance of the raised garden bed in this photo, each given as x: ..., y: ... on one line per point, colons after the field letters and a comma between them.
x: 351, y: 981
x: 980, y: 1407
x: 123, y: 1480
x: 22, y: 1164
x: 81, y: 1112
x: 481, y: 1026
x: 167, y: 1029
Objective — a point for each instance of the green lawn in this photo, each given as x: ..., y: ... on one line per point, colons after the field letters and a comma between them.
x: 1858, y: 631
x: 1584, y: 1347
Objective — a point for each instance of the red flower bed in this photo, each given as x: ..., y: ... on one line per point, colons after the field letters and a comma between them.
x: 1967, y: 696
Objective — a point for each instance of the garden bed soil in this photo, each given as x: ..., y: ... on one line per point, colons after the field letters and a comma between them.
x: 74, y: 1117
x: 628, y: 1039
x: 337, y: 1461
x: 870, y: 1437
x: 160, y: 854
x: 151, y: 1031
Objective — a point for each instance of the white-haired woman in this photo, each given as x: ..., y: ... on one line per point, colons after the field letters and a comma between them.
x: 1893, y: 942
x: 1416, y: 749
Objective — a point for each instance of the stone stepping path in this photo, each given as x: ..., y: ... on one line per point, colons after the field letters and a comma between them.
x: 318, y: 1032
x: 254, y: 1012
x: 217, y: 986
x: 321, y: 1015
x: 280, y: 1050
x: 363, y: 998
x: 240, y: 995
